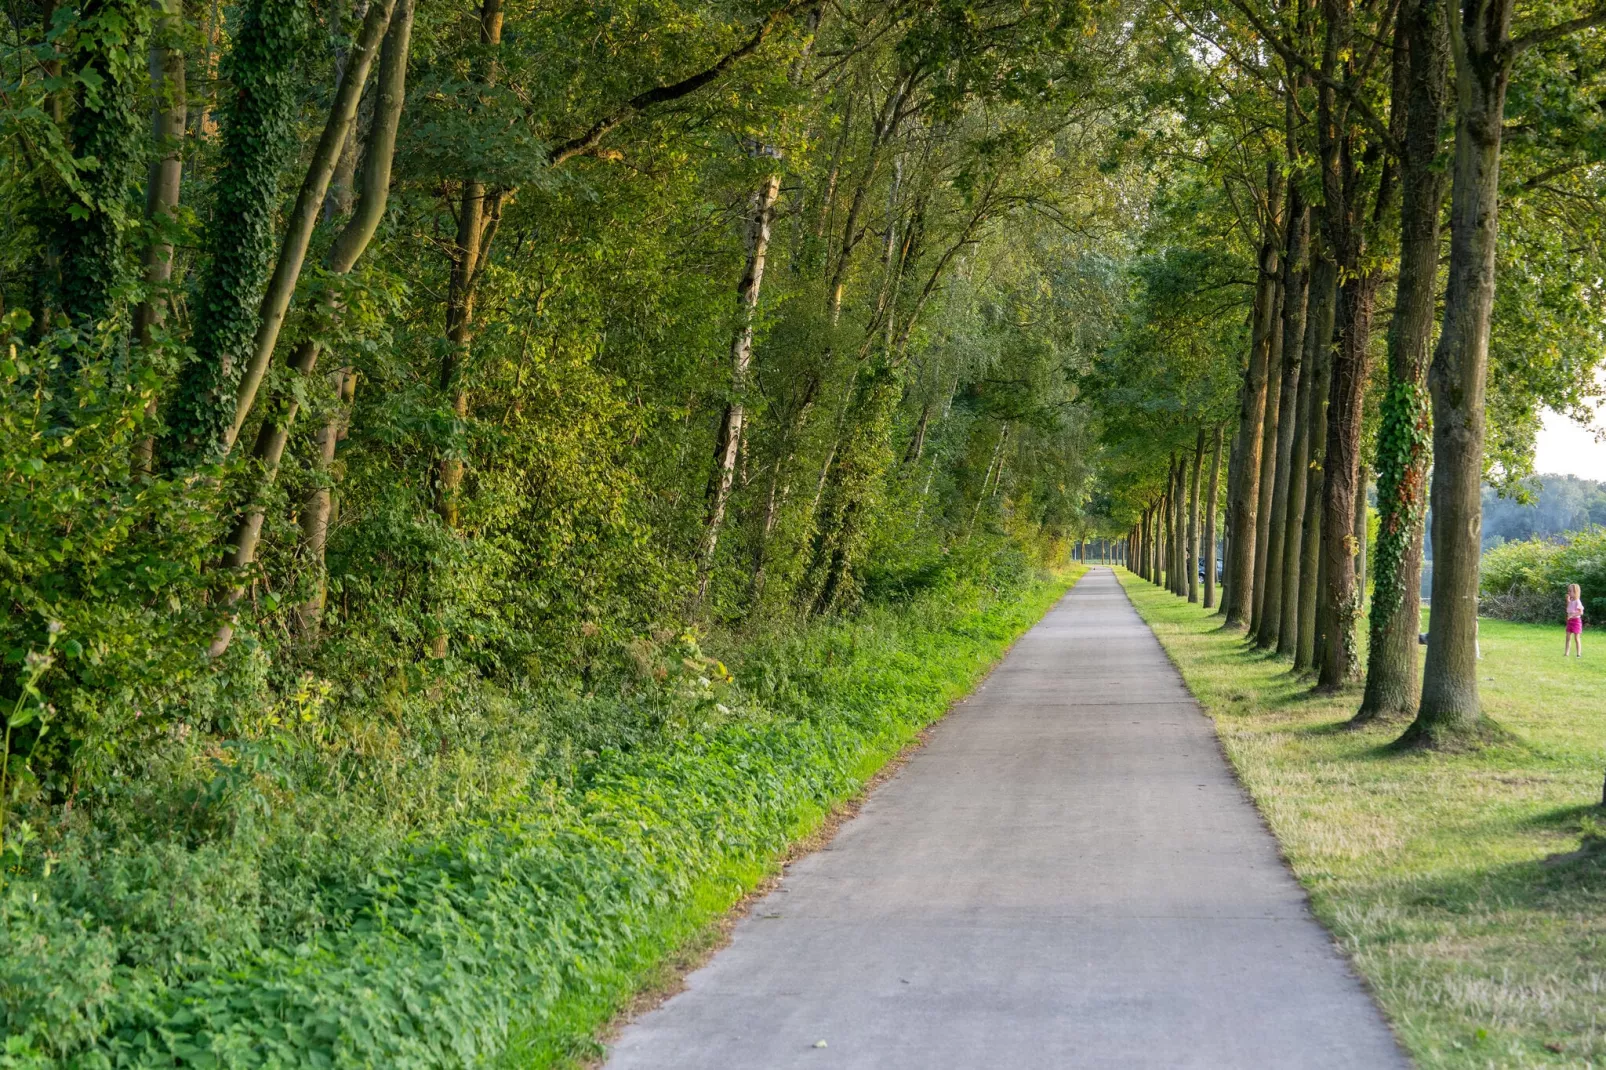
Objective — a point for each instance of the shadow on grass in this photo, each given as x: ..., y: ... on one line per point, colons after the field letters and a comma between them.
x: 1565, y: 818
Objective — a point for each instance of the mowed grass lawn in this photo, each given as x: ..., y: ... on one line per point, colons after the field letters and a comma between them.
x: 1454, y: 881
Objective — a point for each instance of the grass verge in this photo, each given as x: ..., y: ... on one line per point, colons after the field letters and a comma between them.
x: 508, y: 917
x: 1468, y: 888
x: 940, y: 667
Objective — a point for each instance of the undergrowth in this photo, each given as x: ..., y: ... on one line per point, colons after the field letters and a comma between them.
x: 422, y: 888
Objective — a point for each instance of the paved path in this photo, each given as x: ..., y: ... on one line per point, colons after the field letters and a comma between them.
x: 1068, y: 875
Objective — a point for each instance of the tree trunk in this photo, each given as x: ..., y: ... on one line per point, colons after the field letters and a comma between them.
x: 1362, y: 478
x: 1193, y: 518
x: 733, y: 421
x: 475, y: 228
x: 377, y: 158
x: 103, y: 131
x: 1403, y: 454
x: 1318, y: 332
x: 1324, y: 276
x: 274, y: 434
x: 1251, y: 420
x: 1296, y: 276
x: 162, y: 187
x: 1450, y: 707
x: 1340, y: 472
x: 309, y: 202
x: 1267, y: 480
x: 259, y: 129
x: 1212, y: 501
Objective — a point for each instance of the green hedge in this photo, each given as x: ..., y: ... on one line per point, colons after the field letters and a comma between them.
x: 436, y: 948
x: 1527, y: 581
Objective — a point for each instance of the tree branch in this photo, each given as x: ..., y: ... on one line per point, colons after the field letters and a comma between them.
x: 1561, y: 29
x: 586, y: 143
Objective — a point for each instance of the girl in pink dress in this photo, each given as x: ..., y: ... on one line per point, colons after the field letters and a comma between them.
x: 1575, y: 622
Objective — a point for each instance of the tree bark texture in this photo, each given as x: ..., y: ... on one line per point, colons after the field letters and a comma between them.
x: 1193, y: 518
x: 1324, y: 276
x: 1481, y: 47
x: 1268, y: 453
x: 1212, y: 501
x: 1251, y: 418
x: 728, y: 443
x: 1296, y: 285
x: 1340, y: 474
x: 162, y: 187
x: 1299, y: 463
x: 1405, y: 434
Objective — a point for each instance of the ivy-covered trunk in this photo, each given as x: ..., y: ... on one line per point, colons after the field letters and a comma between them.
x: 258, y: 139
x: 274, y: 432
x: 107, y: 44
x: 1404, y: 438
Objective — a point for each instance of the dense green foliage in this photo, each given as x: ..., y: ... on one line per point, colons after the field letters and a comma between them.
x: 667, y: 324
x: 1527, y: 581
x: 407, y: 894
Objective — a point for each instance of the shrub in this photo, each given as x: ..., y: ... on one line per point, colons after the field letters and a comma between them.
x: 1527, y: 581
x: 409, y: 890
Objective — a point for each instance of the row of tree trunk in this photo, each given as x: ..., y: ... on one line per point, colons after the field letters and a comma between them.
x: 1297, y: 534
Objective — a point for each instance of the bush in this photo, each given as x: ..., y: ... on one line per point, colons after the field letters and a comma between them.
x: 410, y: 891
x: 1527, y: 581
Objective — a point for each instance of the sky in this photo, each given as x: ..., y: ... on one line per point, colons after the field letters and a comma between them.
x: 1567, y: 449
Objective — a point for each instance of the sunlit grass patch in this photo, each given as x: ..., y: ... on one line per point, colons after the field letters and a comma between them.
x: 1454, y: 882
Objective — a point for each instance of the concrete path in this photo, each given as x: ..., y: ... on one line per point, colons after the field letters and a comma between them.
x: 1068, y: 875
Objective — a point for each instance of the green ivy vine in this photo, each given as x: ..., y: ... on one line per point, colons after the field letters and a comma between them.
x: 259, y: 137
x: 106, y: 49
x: 1404, y: 442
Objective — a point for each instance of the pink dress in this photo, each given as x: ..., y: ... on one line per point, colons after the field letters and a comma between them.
x: 1575, y: 617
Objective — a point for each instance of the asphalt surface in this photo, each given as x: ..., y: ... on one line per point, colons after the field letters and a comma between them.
x: 1067, y: 875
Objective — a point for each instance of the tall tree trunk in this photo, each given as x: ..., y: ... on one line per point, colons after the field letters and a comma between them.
x: 1324, y: 277
x: 1340, y: 472
x: 1251, y: 420
x: 1318, y: 336
x: 1450, y: 707
x: 1296, y: 279
x: 373, y: 195
x: 304, y: 216
x: 1172, y: 572
x: 1344, y: 228
x: 1193, y: 518
x: 162, y: 187
x: 1403, y: 453
x: 1267, y: 479
x: 1363, y: 477
x: 1212, y: 504
x: 103, y: 62
x: 478, y: 217
x: 258, y: 140
x: 733, y: 421
x: 274, y: 434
